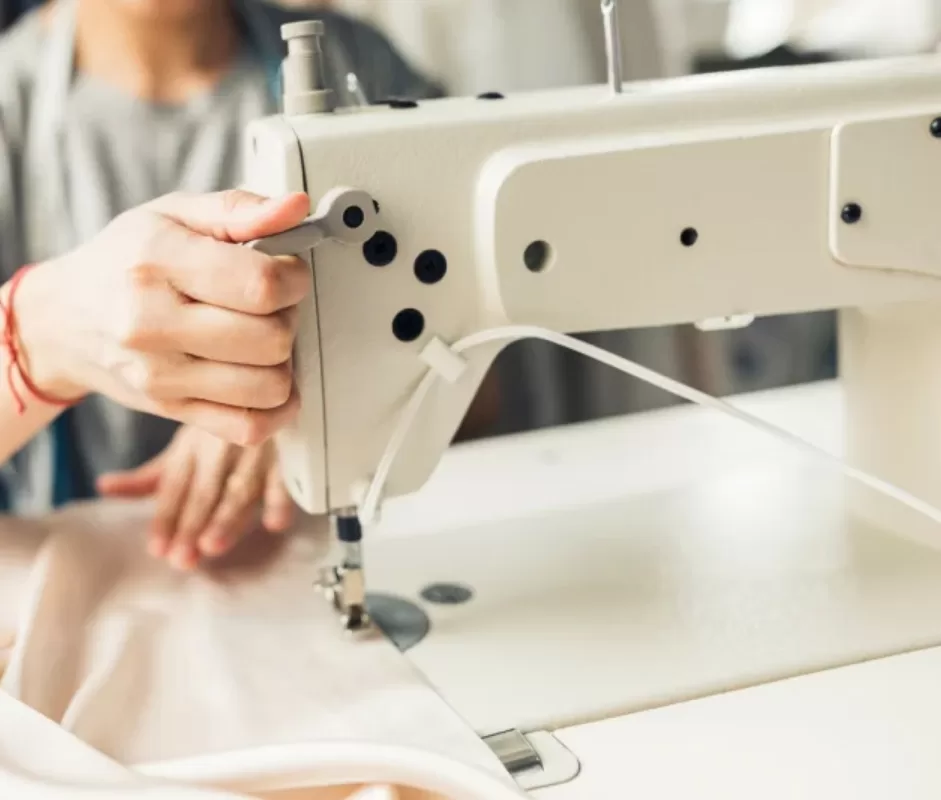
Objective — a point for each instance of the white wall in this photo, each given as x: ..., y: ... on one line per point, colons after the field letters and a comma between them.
x: 851, y: 27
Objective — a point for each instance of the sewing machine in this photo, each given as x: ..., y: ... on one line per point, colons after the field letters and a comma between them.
x: 712, y: 200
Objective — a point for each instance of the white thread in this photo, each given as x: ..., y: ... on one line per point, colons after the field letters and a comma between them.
x: 512, y: 333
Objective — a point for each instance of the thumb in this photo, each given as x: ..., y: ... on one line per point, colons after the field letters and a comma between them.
x: 139, y: 482
x: 234, y: 215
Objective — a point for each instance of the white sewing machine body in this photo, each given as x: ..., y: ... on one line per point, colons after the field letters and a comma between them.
x: 742, y: 194
x: 759, y: 165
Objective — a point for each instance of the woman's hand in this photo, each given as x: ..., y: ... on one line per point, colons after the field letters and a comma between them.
x: 164, y: 312
x: 209, y: 495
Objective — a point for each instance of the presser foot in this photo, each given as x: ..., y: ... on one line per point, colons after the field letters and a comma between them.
x: 345, y: 590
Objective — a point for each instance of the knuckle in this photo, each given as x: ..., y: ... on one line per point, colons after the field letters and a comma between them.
x: 233, y: 199
x: 239, y: 493
x: 263, y: 288
x: 302, y: 273
x: 279, y: 385
x: 279, y: 340
x: 142, y: 273
x: 148, y: 378
x: 254, y: 429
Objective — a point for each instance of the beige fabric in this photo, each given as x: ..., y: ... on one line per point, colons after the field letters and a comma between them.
x: 146, y: 665
x: 40, y: 761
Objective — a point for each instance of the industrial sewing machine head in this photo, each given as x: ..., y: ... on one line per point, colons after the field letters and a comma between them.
x: 593, y: 209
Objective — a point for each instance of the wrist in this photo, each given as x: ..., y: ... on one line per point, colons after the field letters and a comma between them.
x: 36, y: 324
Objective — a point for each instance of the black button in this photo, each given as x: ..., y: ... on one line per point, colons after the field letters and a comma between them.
x: 381, y: 249
x: 408, y: 325
x: 430, y: 266
x: 353, y: 217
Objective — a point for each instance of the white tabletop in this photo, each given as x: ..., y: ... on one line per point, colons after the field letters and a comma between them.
x: 866, y: 732
x: 634, y: 563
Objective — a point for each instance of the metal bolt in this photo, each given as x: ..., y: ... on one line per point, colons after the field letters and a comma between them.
x: 303, y: 74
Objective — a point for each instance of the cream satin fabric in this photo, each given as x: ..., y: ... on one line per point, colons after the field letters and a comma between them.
x: 138, y: 664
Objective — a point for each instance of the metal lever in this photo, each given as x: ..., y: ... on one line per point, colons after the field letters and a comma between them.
x: 345, y: 215
x: 293, y: 242
x: 612, y: 36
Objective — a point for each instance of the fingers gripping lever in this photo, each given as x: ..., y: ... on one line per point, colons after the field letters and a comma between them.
x: 349, y: 216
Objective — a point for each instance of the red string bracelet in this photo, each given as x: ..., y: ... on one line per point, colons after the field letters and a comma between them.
x: 8, y: 343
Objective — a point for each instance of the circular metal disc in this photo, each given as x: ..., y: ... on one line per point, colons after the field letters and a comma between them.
x: 403, y: 623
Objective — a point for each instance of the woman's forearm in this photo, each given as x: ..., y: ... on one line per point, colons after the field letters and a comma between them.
x: 23, y: 413
x: 17, y: 428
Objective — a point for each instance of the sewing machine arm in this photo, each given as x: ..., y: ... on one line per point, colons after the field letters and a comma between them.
x: 579, y: 210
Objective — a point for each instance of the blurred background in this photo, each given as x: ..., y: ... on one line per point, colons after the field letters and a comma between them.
x: 471, y: 46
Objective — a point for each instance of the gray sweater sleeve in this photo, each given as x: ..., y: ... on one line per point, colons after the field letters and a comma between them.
x: 19, y: 47
x: 9, y: 216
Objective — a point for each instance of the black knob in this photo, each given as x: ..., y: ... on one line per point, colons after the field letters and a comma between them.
x: 851, y: 213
